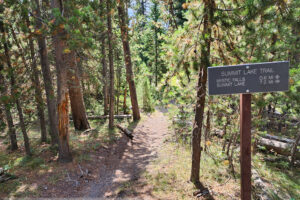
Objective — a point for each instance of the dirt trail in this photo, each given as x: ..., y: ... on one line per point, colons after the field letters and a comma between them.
x: 127, y: 160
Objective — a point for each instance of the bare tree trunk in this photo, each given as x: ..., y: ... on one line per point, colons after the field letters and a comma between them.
x: 124, y: 101
x: 62, y: 60
x: 225, y: 133
x: 111, y: 65
x: 156, y: 57
x: 76, y: 98
x: 51, y: 101
x: 118, y: 87
x: 103, y: 61
x: 209, y: 7
x: 127, y: 58
x: 207, y: 129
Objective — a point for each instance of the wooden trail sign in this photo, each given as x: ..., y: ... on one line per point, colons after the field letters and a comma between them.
x: 246, y: 79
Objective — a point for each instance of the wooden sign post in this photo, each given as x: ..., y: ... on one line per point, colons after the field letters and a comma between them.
x: 244, y: 80
x: 245, y: 145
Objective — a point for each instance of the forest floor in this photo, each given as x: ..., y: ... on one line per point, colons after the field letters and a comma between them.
x: 155, y: 165
x: 112, y: 168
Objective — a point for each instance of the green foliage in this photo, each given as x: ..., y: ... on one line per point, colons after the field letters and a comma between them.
x: 28, y: 162
x: 147, y: 98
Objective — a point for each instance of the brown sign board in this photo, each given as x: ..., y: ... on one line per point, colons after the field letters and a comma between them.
x: 248, y: 78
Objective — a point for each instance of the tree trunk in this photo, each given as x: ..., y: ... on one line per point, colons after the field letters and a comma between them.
x: 209, y: 6
x: 23, y: 128
x: 62, y: 60
x: 156, y: 57
x: 173, y: 17
x: 14, y: 94
x: 207, y: 129
x: 10, y: 123
x: 118, y: 88
x: 127, y: 58
x: 111, y: 65
x: 4, y: 92
x: 294, y: 148
x: 76, y: 98
x: 103, y: 61
x: 37, y: 87
x: 124, y: 101
x: 51, y: 101
x: 7, y: 106
x: 104, y: 74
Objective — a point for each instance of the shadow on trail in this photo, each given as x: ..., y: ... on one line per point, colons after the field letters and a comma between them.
x: 122, y: 163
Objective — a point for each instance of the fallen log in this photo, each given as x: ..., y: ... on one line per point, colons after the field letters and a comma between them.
x: 182, y: 122
x: 5, y: 176
x: 125, y: 131
x: 95, y: 117
x: 280, y: 139
x: 88, y: 130
x: 277, y: 146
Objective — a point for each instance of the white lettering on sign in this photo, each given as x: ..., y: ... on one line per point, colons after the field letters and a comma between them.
x: 250, y: 72
x: 231, y: 73
x: 264, y: 70
x: 248, y: 78
x: 231, y: 82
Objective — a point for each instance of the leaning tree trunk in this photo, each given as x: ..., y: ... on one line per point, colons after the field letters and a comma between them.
x: 46, y: 72
x: 14, y: 94
x: 127, y: 58
x: 76, y: 98
x: 62, y: 60
x: 111, y: 65
x: 209, y: 6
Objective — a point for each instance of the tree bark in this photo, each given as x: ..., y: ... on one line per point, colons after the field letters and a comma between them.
x: 104, y: 64
x: 76, y: 98
x: 207, y: 129
x: 124, y: 101
x: 62, y: 60
x: 127, y: 58
x: 111, y: 65
x: 118, y: 87
x: 209, y: 6
x: 46, y: 72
